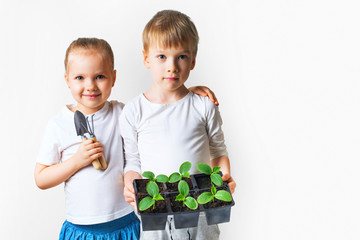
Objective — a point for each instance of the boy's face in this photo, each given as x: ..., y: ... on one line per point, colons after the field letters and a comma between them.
x: 170, y: 67
x: 90, y: 80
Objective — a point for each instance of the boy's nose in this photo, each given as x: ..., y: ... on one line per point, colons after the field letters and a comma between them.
x: 172, y: 66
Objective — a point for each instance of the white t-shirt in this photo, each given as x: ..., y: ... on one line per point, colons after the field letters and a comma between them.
x: 159, y: 137
x: 92, y: 196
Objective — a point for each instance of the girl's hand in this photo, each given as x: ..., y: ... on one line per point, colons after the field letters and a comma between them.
x: 205, y: 92
x: 87, y: 152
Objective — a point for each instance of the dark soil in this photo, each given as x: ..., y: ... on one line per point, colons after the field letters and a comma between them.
x: 177, y: 206
x: 160, y: 206
x: 141, y: 185
x: 173, y: 187
x: 216, y: 203
x: 203, y: 181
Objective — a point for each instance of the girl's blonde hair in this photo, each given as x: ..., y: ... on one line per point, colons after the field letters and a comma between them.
x: 99, y: 45
x: 170, y: 28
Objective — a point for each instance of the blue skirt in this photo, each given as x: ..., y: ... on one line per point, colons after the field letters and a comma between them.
x: 124, y: 228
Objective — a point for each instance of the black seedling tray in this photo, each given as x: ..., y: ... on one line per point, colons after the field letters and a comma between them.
x: 188, y: 218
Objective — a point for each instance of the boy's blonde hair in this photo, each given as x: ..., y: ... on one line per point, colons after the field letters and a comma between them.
x: 96, y: 44
x: 170, y: 28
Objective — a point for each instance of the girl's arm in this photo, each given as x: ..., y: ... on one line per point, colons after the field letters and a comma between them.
x: 53, y: 175
x: 205, y: 92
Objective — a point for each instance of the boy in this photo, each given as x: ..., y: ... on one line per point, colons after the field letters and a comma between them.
x: 168, y: 124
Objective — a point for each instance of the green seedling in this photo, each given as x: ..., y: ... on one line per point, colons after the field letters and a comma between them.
x: 159, y: 178
x: 190, y: 202
x: 153, y: 190
x: 206, y: 197
x: 214, y: 176
x: 183, y: 172
x: 215, y: 179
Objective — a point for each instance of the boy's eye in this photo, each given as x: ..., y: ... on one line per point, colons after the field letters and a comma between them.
x: 161, y: 57
x: 182, y: 57
x: 79, y: 78
x: 100, y: 77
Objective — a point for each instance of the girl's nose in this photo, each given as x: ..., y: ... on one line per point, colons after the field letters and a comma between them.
x: 90, y: 84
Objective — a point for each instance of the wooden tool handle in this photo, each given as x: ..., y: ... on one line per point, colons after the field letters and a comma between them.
x: 101, y: 159
x: 96, y: 163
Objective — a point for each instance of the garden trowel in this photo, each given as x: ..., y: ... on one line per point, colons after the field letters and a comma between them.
x: 81, y: 129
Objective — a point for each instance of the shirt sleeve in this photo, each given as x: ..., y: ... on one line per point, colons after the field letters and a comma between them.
x: 49, y: 149
x: 213, y: 126
x: 129, y: 134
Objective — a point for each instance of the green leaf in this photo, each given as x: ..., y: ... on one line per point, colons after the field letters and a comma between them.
x: 180, y: 197
x: 145, y: 203
x: 216, y: 179
x: 205, y: 197
x: 204, y: 168
x: 223, y: 195
x: 187, y: 175
x: 185, y: 167
x: 213, y: 189
x: 158, y: 197
x: 174, y: 177
x: 191, y: 203
x: 216, y: 169
x: 183, y: 188
x: 149, y: 175
x: 162, y: 178
x: 152, y: 188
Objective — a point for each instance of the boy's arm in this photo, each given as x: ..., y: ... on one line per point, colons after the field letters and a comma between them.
x: 205, y: 92
x: 132, y: 163
x: 224, y: 163
x: 129, y: 192
x: 217, y: 144
x: 53, y: 175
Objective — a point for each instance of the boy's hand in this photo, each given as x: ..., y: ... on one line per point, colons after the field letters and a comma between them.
x: 129, y: 192
x: 231, y: 183
x: 88, y: 152
x: 205, y: 92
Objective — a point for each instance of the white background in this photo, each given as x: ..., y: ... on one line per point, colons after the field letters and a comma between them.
x: 286, y: 74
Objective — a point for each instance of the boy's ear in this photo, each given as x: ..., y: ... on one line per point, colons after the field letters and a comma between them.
x: 114, y: 76
x: 193, y: 63
x: 146, y: 59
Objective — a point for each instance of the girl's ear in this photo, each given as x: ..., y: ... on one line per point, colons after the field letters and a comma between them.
x: 67, y: 79
x: 146, y: 59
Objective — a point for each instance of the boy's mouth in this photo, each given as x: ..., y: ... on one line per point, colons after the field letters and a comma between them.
x: 171, y: 78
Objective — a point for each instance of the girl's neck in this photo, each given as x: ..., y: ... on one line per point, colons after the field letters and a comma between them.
x: 85, y: 110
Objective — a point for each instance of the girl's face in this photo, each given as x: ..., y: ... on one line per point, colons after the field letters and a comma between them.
x: 90, y: 79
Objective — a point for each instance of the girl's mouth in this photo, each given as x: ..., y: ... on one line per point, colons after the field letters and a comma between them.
x: 91, y: 96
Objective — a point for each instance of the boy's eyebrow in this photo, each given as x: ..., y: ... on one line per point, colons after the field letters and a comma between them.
x: 164, y: 50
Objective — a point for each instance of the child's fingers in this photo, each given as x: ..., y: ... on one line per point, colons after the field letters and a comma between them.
x: 231, y: 183
x: 212, y: 96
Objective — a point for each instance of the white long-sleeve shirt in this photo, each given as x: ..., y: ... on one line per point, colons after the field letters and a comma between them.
x: 92, y: 196
x: 159, y: 137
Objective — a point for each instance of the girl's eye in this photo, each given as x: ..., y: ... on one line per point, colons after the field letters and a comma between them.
x: 100, y: 77
x: 79, y: 78
x: 161, y: 57
x: 181, y: 57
